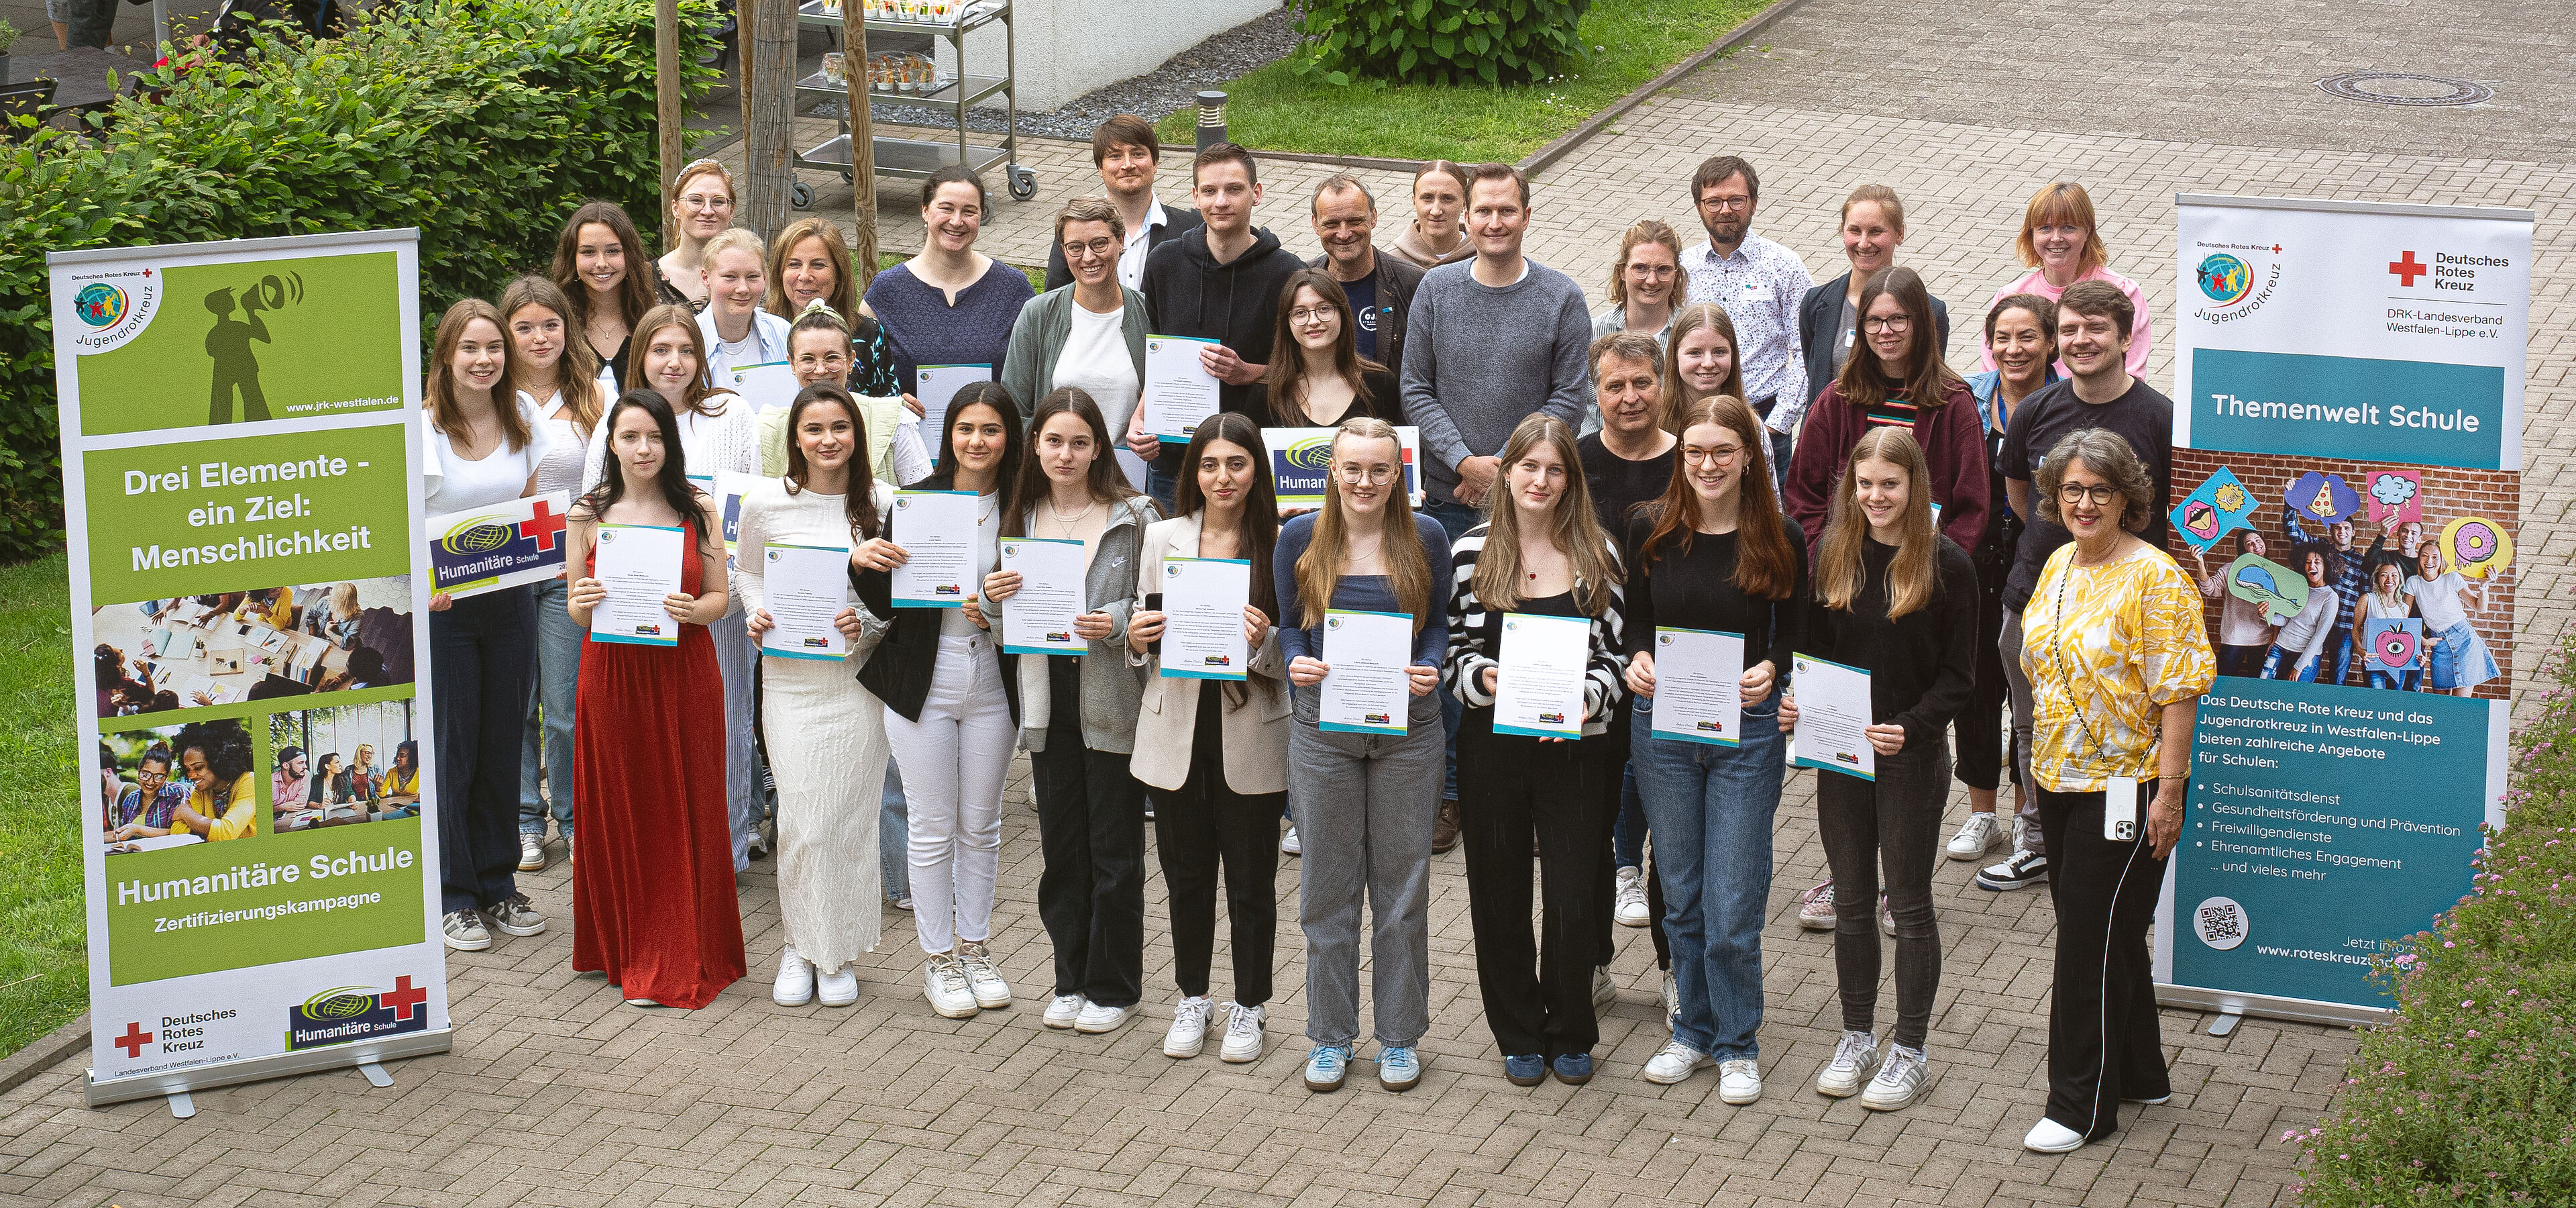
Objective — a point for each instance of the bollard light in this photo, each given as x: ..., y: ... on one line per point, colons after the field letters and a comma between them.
x: 1211, y: 119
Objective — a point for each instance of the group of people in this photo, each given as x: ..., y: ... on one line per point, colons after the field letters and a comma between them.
x: 2327, y: 640
x: 1730, y: 448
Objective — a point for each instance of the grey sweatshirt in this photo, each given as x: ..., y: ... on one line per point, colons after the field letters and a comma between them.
x: 1479, y: 360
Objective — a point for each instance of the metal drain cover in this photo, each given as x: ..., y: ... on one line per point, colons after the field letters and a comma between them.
x: 2405, y: 88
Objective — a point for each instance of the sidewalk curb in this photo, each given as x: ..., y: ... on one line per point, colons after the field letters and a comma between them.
x: 43, y: 1053
x: 1538, y: 161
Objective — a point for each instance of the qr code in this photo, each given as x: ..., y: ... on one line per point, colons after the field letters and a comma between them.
x: 2221, y: 923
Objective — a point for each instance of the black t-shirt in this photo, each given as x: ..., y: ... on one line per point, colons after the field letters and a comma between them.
x: 1385, y: 401
x: 1696, y: 590
x: 1618, y: 484
x: 2143, y: 415
x: 1363, y: 297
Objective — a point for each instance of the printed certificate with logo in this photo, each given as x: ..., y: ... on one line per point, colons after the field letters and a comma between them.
x: 1833, y: 709
x: 937, y: 532
x: 1179, y: 392
x: 504, y: 545
x: 1038, y: 619
x: 640, y: 565
x: 938, y: 386
x: 768, y: 386
x: 1538, y: 691
x: 1366, y: 690
x: 1699, y: 694
x: 803, y: 587
x: 1203, y: 602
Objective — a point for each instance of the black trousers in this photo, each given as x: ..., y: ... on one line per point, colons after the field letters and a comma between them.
x: 1980, y: 721
x: 2103, y: 1041
x: 483, y: 658
x: 1201, y: 827
x: 1538, y: 996
x: 1091, y: 831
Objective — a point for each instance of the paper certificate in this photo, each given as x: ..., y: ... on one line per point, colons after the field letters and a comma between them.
x: 504, y: 545
x: 1301, y: 458
x: 1365, y: 691
x: 1179, y: 392
x: 1698, y: 686
x: 804, y: 587
x: 1203, y: 602
x: 1539, y: 689
x: 1038, y: 619
x: 1833, y: 709
x: 639, y: 564
x: 937, y: 531
x: 768, y: 386
x: 938, y: 386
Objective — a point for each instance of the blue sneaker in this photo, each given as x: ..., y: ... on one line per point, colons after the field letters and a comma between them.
x: 1526, y: 1070
x: 1326, y: 1066
x: 1399, y: 1068
x: 1574, y: 1069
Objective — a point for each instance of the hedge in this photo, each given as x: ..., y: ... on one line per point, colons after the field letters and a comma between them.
x: 1495, y: 42
x: 2469, y: 1096
x: 480, y: 122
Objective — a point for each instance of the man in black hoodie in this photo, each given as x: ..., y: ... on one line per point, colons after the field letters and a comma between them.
x: 1220, y: 282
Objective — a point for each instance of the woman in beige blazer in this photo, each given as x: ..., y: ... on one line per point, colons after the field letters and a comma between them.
x: 1214, y: 752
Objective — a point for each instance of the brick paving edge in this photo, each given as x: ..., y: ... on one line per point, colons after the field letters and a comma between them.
x: 1557, y: 148
x: 43, y: 1053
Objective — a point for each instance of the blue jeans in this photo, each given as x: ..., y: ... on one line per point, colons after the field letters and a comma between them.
x: 1163, y: 478
x: 2283, y: 665
x: 894, y: 837
x: 2337, y: 659
x: 549, y: 728
x: 2406, y: 681
x: 1628, y: 835
x: 1711, y: 810
x: 1455, y: 519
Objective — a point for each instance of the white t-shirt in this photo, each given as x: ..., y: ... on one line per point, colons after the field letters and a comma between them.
x: 988, y: 554
x: 2439, y: 599
x: 1096, y: 359
x: 451, y: 483
x: 561, y: 469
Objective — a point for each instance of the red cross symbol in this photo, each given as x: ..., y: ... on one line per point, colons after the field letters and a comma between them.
x: 2408, y: 270
x: 542, y: 524
x: 133, y: 1040
x: 404, y: 996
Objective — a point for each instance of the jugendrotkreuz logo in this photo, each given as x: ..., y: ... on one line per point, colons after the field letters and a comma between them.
x: 99, y: 304
x: 2224, y: 279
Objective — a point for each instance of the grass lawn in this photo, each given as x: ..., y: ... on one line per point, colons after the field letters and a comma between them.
x: 1273, y: 109
x: 44, y: 961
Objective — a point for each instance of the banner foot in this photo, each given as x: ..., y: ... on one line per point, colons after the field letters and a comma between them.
x: 2225, y: 1024
x: 181, y: 1105
x: 376, y: 1075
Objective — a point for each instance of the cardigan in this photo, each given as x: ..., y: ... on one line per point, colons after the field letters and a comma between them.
x: 1112, y: 691
x: 1472, y: 625
x: 1254, y: 730
x: 1037, y: 341
x: 1954, y: 449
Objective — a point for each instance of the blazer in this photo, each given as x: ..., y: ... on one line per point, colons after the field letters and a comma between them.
x: 899, y: 671
x: 1255, y: 730
x: 1396, y: 278
x: 1820, y: 310
x: 1176, y: 223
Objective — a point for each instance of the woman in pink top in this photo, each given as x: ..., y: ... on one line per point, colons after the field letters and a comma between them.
x: 2063, y: 245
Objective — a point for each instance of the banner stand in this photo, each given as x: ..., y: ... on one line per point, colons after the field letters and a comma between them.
x: 366, y: 1055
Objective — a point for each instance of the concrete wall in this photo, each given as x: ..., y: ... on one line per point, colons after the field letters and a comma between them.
x: 1069, y: 47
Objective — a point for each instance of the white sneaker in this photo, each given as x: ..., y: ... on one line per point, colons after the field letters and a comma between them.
x: 1243, y: 1034
x: 795, y: 984
x: 1189, y: 1028
x: 1096, y: 1019
x: 991, y: 992
x: 1630, y: 894
x: 1675, y: 1062
x: 1604, y: 991
x: 1977, y: 836
x: 1288, y: 844
x: 1739, y: 1081
x: 2049, y: 1136
x: 1886, y: 918
x: 532, y: 852
x: 1816, y: 907
x: 944, y: 984
x: 1854, y: 1059
x: 1898, y: 1081
x: 837, y: 988
x: 1062, y: 1010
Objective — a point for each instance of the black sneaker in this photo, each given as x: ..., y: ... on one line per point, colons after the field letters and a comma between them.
x: 2023, y: 869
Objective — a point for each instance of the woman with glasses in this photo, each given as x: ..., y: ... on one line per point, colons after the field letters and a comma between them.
x: 1089, y: 335
x: 2062, y: 244
x: 1647, y: 290
x: 1873, y: 224
x: 952, y: 305
x: 700, y: 206
x: 821, y: 351
x: 1328, y: 381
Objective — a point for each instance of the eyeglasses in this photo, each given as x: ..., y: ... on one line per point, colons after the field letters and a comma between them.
x: 2073, y: 493
x: 1727, y: 205
x: 706, y: 201
x: 1084, y: 251
x: 1896, y: 323
x: 1376, y: 476
x: 1312, y: 314
x: 1652, y: 272
x: 1723, y: 455
x: 829, y: 360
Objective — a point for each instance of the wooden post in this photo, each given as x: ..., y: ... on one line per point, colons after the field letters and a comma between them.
x: 863, y: 145
x: 666, y: 97
x: 768, y: 114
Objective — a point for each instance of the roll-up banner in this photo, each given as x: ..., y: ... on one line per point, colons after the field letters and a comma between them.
x: 2348, y: 453
x: 241, y: 441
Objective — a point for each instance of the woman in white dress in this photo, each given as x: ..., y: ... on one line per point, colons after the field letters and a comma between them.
x: 828, y: 877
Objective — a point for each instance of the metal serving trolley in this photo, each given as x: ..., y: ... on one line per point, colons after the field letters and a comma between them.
x: 918, y: 158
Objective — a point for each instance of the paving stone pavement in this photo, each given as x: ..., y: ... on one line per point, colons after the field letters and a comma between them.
x: 558, y: 1094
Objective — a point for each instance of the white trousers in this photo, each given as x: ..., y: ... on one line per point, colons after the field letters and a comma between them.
x: 954, y: 761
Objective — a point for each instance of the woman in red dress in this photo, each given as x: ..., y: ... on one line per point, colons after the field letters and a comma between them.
x: 653, y: 900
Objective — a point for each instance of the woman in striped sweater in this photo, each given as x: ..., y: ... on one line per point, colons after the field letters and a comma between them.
x: 1541, y: 553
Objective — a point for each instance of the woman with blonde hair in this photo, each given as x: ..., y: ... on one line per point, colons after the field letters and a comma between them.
x: 1898, y: 600
x: 1365, y: 800
x: 737, y: 330
x: 338, y: 620
x: 1700, y: 362
x: 1873, y: 224
x: 2062, y: 244
x: 699, y: 205
x: 1647, y: 284
x: 1541, y: 553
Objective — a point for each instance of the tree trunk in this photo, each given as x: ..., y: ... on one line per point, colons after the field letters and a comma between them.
x: 666, y: 100
x: 863, y: 147
x: 768, y: 111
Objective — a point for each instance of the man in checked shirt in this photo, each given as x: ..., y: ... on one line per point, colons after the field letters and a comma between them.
x: 1759, y: 283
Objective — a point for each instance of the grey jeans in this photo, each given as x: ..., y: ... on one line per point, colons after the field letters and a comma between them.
x: 1364, y: 806
x: 2027, y: 837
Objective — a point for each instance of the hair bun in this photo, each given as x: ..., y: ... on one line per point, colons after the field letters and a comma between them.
x: 821, y: 306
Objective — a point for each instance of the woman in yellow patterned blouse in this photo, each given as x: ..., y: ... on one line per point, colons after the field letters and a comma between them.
x: 2117, y: 657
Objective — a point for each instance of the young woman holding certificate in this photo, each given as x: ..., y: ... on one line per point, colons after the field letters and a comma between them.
x: 1897, y: 599
x: 1714, y: 555
x: 484, y: 447
x: 1214, y: 752
x: 828, y: 791
x: 653, y: 903
x: 1367, y: 753
x: 1078, y: 712
x: 948, y: 718
x: 1541, y: 555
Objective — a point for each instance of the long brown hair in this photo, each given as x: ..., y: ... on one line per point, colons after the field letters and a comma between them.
x: 844, y: 296
x: 1688, y: 319
x: 1766, y: 566
x: 1108, y: 483
x: 1573, y: 527
x: 1916, y: 572
x: 860, y: 500
x: 1928, y: 378
x: 441, y: 403
x: 1408, y: 565
x: 634, y: 293
x: 1286, y: 381
x: 1258, y: 534
x: 577, y: 373
x: 680, y: 316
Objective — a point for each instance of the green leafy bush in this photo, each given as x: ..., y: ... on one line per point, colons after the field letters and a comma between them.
x: 480, y: 122
x: 2469, y: 1097
x: 1439, y: 41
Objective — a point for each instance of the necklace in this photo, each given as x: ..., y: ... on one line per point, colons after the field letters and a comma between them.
x: 1061, y: 518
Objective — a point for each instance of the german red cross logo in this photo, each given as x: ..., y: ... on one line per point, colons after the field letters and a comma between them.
x: 542, y: 524
x: 2408, y: 270
x: 133, y: 1040
x: 405, y: 996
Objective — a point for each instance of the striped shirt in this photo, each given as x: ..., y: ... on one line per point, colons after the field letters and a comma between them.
x: 1474, y: 630
x: 1892, y: 413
